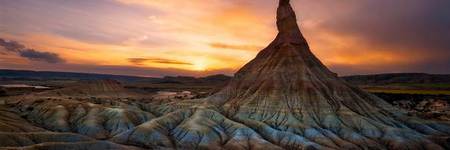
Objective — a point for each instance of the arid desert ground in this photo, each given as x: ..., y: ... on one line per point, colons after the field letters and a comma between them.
x: 285, y: 98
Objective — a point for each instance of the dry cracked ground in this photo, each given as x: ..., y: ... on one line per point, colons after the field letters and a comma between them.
x: 283, y: 99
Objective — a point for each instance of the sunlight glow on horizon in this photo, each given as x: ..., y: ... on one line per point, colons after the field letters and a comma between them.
x: 187, y: 37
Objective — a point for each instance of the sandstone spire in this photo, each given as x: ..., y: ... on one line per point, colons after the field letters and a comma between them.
x: 286, y: 62
x: 287, y: 23
x: 288, y: 88
x: 286, y: 98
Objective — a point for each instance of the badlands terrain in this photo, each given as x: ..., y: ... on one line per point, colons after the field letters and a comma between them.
x: 285, y: 98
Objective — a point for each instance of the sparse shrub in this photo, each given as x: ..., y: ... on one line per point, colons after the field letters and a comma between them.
x: 3, y: 92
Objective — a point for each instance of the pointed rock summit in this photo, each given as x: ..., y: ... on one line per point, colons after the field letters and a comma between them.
x: 287, y: 24
x: 285, y: 75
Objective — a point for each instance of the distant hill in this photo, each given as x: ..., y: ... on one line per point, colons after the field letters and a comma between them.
x: 50, y: 75
x: 376, y: 79
x: 394, y: 78
x: 220, y: 78
x: 106, y: 87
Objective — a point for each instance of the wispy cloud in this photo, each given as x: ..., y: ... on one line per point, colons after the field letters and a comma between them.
x: 11, y: 46
x: 34, y: 55
x: 141, y: 61
x: 235, y: 46
x: 30, y: 54
x: 348, y: 36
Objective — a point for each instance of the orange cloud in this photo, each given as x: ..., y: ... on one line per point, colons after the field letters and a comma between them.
x: 198, y: 35
x: 140, y: 61
x: 235, y: 47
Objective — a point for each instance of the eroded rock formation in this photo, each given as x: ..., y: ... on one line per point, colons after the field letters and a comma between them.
x: 291, y: 100
x: 285, y: 98
x: 18, y: 133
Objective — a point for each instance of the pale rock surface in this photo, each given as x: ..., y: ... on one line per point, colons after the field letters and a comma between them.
x: 285, y: 98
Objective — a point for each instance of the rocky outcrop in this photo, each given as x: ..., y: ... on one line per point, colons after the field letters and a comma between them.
x: 194, y: 129
x: 292, y: 100
x: 285, y: 98
x: 18, y: 133
x: 428, y: 108
x: 84, y: 118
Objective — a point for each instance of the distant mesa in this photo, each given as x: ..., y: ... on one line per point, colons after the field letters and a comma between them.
x: 94, y: 88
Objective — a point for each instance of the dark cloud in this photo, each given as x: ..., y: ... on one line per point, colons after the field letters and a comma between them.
x: 235, y: 47
x: 11, y: 46
x: 34, y: 55
x: 139, y: 61
x: 30, y: 54
x: 415, y: 26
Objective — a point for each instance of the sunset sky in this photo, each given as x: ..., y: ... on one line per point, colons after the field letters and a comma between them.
x: 203, y: 37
